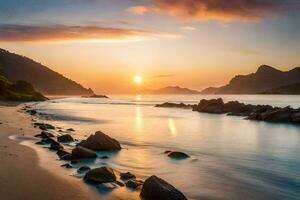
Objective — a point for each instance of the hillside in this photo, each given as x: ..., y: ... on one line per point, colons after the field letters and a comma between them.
x: 19, y: 91
x: 172, y: 90
x: 287, y: 89
x: 15, y: 67
x: 264, y: 79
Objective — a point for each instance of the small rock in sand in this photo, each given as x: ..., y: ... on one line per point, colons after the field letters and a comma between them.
x: 67, y: 165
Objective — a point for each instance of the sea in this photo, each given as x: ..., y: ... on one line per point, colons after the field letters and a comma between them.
x: 230, y: 157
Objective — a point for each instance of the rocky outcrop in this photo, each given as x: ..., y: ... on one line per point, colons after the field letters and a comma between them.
x: 158, y: 189
x: 101, y: 142
x: 100, y: 175
x: 80, y: 152
x: 174, y: 105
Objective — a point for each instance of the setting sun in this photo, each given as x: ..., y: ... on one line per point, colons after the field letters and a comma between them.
x: 138, y: 79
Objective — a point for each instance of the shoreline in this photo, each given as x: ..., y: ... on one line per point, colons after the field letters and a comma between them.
x: 21, y: 161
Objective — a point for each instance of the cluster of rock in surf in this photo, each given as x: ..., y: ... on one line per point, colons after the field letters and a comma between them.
x: 252, y: 112
x: 152, y: 188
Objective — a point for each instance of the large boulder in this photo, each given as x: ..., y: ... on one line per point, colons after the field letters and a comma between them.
x: 80, y: 152
x: 100, y: 175
x: 65, y: 138
x: 101, y: 142
x: 156, y: 188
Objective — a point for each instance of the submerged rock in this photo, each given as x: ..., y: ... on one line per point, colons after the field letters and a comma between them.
x: 83, y: 169
x: 101, y: 142
x: 174, y: 105
x: 62, y: 153
x: 80, y: 152
x: 178, y: 155
x: 100, y: 175
x: 158, y: 189
x: 65, y: 138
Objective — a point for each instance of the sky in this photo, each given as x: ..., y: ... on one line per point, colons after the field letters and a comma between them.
x: 104, y: 44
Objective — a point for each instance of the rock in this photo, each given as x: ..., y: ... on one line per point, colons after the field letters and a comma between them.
x: 56, y: 146
x: 278, y: 115
x: 70, y: 129
x: 296, y: 117
x: 101, y: 142
x: 32, y: 112
x: 119, y: 183
x: 40, y: 143
x: 48, y: 141
x: 44, y: 134
x: 104, y: 157
x: 44, y: 126
x: 178, y: 155
x: 65, y: 138
x: 67, y: 165
x: 134, y: 184
x: 61, y: 153
x: 210, y: 106
x: 83, y: 169
x: 167, y: 152
x: 127, y: 175
x: 80, y: 152
x: 100, y: 175
x: 158, y: 189
x: 174, y: 105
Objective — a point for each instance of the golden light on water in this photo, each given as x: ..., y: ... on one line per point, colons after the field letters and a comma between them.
x: 172, y: 126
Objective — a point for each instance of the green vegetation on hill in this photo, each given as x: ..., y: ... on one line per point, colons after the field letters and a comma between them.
x: 19, y: 91
x: 15, y: 67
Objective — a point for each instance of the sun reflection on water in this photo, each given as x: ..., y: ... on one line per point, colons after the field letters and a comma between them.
x: 172, y: 127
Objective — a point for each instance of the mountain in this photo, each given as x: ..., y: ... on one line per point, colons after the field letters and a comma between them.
x: 287, y: 89
x: 15, y: 67
x: 19, y: 91
x: 209, y: 90
x: 264, y: 79
x: 172, y: 90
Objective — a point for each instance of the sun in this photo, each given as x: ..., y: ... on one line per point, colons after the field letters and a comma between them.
x: 138, y: 79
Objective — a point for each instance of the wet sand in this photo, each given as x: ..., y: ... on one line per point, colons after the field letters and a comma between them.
x: 21, y: 173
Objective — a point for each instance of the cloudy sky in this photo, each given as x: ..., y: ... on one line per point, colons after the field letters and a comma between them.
x: 103, y: 44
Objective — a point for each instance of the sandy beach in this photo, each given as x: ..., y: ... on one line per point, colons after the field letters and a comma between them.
x: 21, y: 175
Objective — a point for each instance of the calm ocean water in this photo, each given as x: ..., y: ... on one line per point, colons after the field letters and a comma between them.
x: 231, y: 158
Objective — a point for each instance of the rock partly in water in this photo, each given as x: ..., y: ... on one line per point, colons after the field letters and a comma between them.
x: 70, y: 129
x: 158, y: 189
x: 44, y: 134
x: 127, y: 175
x: 56, y: 146
x: 134, y: 183
x: 100, y: 175
x: 80, y: 152
x: 101, y: 142
x: 44, y: 126
x: 104, y: 157
x: 178, y: 155
x: 65, y: 138
x: 62, y: 153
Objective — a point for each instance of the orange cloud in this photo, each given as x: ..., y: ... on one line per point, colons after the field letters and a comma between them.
x: 223, y: 10
x: 63, y: 33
